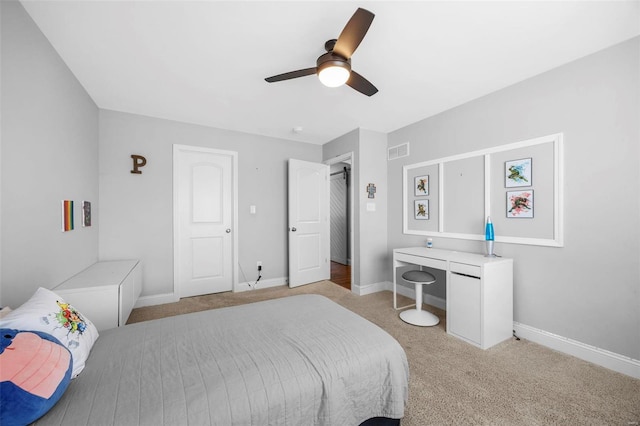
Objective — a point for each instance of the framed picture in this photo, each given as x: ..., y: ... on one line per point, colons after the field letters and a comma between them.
x: 520, y: 204
x: 86, y: 213
x: 421, y: 209
x: 517, y: 173
x: 421, y: 185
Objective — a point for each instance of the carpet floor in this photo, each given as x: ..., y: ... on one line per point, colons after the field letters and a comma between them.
x: 452, y: 382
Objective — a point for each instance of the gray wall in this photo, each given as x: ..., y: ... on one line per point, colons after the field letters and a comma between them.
x: 49, y: 153
x: 589, y: 290
x: 373, y: 224
x: 137, y: 210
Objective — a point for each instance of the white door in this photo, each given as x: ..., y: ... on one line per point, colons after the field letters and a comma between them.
x: 308, y: 222
x: 204, y: 221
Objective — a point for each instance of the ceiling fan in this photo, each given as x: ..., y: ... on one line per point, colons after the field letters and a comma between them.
x: 334, y: 67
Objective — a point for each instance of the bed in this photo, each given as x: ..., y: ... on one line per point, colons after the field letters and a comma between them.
x: 298, y: 360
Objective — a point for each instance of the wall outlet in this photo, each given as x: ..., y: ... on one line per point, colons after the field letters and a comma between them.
x: 259, y: 264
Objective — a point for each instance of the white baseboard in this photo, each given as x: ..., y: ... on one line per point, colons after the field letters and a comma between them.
x: 601, y: 357
x: 273, y: 282
x: 362, y: 290
x: 156, y: 299
x: 161, y: 299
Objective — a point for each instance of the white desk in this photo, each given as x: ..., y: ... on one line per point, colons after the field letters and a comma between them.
x: 479, y: 292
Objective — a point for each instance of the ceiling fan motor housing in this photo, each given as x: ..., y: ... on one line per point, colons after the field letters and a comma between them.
x: 331, y: 59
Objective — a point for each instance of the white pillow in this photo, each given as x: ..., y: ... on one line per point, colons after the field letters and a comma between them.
x: 48, y: 312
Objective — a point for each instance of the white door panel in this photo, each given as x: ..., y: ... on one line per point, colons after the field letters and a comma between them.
x: 204, y: 220
x: 309, y: 252
x: 308, y: 222
x: 207, y: 197
x: 207, y: 262
x: 308, y: 205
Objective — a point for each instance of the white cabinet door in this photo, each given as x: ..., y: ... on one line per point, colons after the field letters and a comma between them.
x: 465, y: 305
x: 127, y: 299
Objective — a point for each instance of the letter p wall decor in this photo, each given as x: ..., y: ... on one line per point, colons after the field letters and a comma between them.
x: 138, y: 161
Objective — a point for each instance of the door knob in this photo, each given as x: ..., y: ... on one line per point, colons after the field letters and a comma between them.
x: 293, y: 229
x: 228, y: 230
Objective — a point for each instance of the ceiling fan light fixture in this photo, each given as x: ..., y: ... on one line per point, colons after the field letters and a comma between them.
x: 334, y: 74
x: 334, y: 67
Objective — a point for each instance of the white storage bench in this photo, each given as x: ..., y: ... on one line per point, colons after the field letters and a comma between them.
x: 105, y: 292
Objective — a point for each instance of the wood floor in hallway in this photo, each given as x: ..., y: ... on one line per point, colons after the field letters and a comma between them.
x: 341, y: 274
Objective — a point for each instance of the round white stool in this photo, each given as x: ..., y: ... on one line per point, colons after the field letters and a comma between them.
x: 417, y: 316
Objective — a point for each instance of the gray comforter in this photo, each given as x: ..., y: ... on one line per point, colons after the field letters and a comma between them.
x: 299, y: 360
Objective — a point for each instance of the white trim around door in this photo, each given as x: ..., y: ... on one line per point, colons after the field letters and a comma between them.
x: 233, y: 229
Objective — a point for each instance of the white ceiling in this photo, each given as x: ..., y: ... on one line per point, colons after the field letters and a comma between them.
x: 205, y: 62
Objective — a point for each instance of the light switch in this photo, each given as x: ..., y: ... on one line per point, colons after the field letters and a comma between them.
x: 252, y: 209
x: 371, y: 207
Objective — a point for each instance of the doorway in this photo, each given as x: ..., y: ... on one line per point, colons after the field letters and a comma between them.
x: 341, y: 222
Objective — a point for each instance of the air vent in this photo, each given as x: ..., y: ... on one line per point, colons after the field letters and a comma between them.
x: 398, y: 151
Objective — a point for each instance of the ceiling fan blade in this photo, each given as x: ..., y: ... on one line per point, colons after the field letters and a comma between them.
x: 361, y: 84
x: 292, y: 74
x: 353, y: 33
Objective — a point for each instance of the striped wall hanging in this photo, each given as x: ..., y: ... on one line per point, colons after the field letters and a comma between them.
x: 67, y: 215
